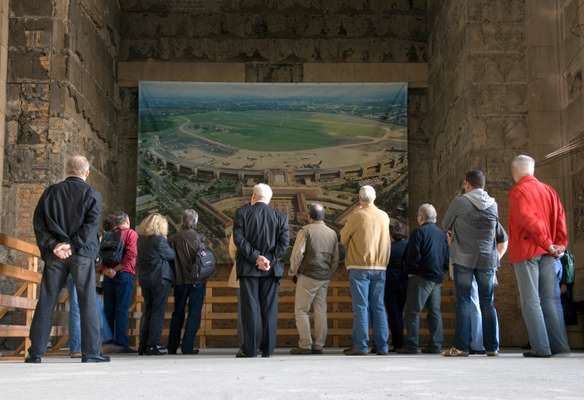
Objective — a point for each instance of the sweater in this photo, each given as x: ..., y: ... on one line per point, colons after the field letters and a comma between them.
x: 366, y: 239
x: 427, y: 254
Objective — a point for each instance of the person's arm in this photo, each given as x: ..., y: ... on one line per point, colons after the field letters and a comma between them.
x: 283, y: 239
x: 297, y: 253
x: 335, y: 260
x: 412, y: 257
x: 45, y: 240
x: 90, y: 227
x: 130, y: 252
x: 347, y: 232
x: 561, y: 228
x: 243, y: 246
x: 165, y: 250
x: 502, y: 240
x: 446, y: 253
x: 528, y: 220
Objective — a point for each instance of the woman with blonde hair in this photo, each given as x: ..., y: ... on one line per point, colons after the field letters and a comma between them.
x: 156, y: 277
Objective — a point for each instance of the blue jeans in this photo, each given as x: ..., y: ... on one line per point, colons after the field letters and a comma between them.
x: 541, y: 305
x: 195, y: 296
x: 476, y: 319
x: 117, y: 298
x: 421, y: 294
x: 75, y: 319
x: 463, y: 280
x: 367, y: 291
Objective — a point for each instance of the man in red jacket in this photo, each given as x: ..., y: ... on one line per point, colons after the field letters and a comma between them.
x: 537, y: 236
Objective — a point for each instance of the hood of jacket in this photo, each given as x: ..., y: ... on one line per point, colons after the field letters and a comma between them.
x: 480, y: 199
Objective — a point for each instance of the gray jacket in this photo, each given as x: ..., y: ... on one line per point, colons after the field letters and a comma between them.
x: 473, y: 218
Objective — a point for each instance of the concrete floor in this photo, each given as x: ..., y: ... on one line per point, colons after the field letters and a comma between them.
x: 215, y: 374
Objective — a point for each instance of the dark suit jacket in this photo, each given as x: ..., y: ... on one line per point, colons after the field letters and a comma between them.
x: 68, y: 212
x: 154, y: 256
x: 260, y: 230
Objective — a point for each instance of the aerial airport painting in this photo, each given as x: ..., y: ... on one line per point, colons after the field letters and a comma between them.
x: 205, y: 145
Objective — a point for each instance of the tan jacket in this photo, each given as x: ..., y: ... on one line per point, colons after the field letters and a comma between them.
x: 366, y: 239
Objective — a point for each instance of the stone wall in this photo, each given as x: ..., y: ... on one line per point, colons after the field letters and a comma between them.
x: 62, y: 99
x: 494, y: 93
x: 3, y: 67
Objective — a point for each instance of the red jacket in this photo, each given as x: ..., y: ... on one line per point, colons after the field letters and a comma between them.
x: 536, y: 220
x: 130, y: 239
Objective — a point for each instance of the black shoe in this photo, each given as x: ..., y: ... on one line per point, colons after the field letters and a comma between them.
x: 156, y: 351
x: 241, y: 354
x: 373, y: 350
x: 33, y: 359
x: 432, y: 351
x: 95, y: 359
x: 193, y: 351
x: 405, y: 350
x: 317, y: 351
x: 474, y: 352
x: 266, y: 355
x: 129, y: 350
x: 352, y: 352
x: 382, y: 353
x: 533, y: 354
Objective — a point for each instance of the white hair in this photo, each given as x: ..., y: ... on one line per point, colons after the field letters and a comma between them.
x: 524, y: 165
x: 263, y: 192
x: 77, y: 166
x: 367, y: 194
x: 427, y: 213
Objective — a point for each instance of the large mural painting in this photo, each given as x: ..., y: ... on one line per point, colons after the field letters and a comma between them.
x: 205, y: 145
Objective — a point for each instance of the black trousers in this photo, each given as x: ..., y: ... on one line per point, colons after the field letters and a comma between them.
x: 54, y: 278
x: 395, y: 300
x: 195, y: 296
x: 259, y: 308
x: 155, y: 298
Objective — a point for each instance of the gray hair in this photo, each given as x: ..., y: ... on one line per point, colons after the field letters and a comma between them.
x: 77, y: 166
x: 263, y: 192
x: 190, y: 218
x: 367, y: 194
x: 427, y: 213
x: 524, y: 165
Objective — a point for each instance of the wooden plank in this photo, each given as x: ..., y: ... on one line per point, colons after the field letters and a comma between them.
x: 20, y: 273
x: 31, y: 293
x: 19, y: 245
x: 18, y: 293
x: 17, y: 302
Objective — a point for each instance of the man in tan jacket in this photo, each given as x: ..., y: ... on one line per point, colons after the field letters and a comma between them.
x: 367, y: 242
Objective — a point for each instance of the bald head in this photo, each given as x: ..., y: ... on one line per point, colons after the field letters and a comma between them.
x: 77, y: 166
x: 316, y: 212
x: 522, y: 166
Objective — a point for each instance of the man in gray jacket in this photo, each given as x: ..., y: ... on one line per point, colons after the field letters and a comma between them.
x: 314, y: 259
x: 478, y: 241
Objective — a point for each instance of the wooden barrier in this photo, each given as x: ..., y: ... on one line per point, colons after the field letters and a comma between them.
x: 219, y: 314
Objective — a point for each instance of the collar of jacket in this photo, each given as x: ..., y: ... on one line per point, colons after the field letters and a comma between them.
x: 260, y: 203
x: 526, y: 179
x: 74, y: 178
x: 317, y: 222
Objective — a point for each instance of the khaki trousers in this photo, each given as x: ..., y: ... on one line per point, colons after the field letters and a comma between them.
x: 311, y: 292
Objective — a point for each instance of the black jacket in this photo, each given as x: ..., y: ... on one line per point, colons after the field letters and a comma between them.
x: 427, y: 253
x: 154, y: 256
x: 395, y: 267
x: 68, y: 212
x: 260, y: 230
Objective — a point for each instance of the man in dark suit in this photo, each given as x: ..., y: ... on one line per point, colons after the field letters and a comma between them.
x: 66, y: 222
x: 261, y: 237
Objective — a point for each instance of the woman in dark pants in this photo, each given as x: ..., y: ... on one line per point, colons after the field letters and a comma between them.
x: 156, y: 277
x: 396, y: 283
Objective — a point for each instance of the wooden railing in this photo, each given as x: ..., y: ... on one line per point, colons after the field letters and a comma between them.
x: 219, y: 315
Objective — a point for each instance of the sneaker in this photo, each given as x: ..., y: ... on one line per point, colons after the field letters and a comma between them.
x: 300, y: 351
x: 454, y: 352
x: 492, y: 353
x: 95, y: 359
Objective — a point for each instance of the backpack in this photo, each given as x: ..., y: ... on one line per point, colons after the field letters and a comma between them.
x: 111, y: 248
x: 204, y: 265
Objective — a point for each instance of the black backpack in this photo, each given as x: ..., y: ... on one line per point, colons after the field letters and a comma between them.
x: 204, y: 265
x: 111, y: 249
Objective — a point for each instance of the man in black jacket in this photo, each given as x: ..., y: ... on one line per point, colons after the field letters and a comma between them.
x: 66, y: 222
x: 426, y: 260
x: 261, y: 237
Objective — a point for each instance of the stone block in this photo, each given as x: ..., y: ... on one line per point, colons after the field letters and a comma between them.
x: 545, y: 127
x: 542, y: 29
x: 497, y: 68
x: 29, y: 66
x: 498, y: 98
x: 496, y: 37
x: 273, y: 72
x: 492, y: 11
x: 544, y: 94
x: 27, y: 8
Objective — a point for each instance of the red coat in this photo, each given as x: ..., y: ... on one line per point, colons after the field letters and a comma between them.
x: 536, y: 220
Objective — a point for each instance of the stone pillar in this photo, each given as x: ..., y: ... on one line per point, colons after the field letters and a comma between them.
x: 3, y: 70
